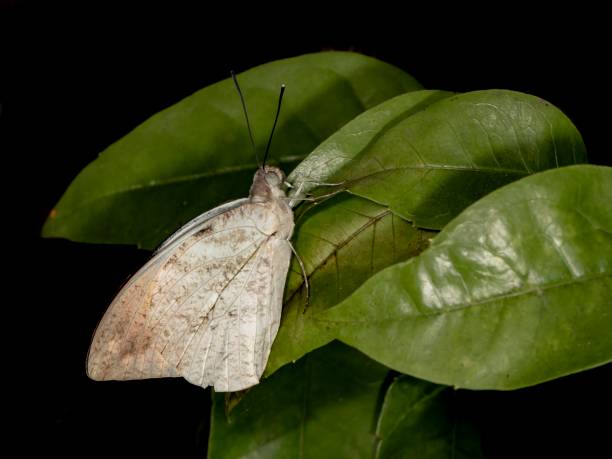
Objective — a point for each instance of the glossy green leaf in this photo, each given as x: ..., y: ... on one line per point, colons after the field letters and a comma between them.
x: 342, y: 242
x: 321, y: 407
x: 196, y: 154
x: 377, y: 131
x: 515, y: 291
x: 421, y: 420
x: 427, y: 156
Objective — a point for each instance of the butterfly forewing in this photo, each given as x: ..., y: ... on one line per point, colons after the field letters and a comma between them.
x: 207, y: 306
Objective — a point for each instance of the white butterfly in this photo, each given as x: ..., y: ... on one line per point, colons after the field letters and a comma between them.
x: 207, y: 306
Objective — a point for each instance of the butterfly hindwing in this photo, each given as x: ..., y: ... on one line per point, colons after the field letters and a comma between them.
x: 231, y: 353
x: 197, y: 306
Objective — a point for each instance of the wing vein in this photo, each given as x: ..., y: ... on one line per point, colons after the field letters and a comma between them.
x: 174, y: 302
x: 212, y: 308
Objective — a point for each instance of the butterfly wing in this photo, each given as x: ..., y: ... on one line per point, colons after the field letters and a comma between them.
x: 206, y: 307
x: 196, y: 222
x: 121, y: 335
x: 231, y: 351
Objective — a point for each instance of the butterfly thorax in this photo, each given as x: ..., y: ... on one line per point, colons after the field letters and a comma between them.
x: 267, y: 190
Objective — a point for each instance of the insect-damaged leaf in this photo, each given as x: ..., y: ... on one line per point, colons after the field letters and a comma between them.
x: 196, y: 154
x: 513, y: 292
x: 428, y: 154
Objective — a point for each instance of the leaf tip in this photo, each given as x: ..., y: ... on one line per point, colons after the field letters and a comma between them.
x: 47, y: 228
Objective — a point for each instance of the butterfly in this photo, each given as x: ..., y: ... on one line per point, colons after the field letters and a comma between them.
x: 207, y: 305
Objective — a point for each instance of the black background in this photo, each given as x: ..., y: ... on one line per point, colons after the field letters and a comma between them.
x: 76, y: 78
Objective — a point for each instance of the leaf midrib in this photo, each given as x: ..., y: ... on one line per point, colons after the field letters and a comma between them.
x: 430, y: 167
x: 494, y: 299
x: 174, y: 180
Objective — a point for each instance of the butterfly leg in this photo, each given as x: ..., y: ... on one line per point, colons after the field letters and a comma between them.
x: 325, y: 196
x: 297, y: 198
x: 306, y: 284
x: 294, y: 200
x: 315, y: 198
x: 323, y: 183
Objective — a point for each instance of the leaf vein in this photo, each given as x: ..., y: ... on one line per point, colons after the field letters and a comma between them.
x: 338, y: 247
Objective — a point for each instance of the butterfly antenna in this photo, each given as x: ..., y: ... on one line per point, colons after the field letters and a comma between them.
x: 246, y: 116
x: 280, y: 99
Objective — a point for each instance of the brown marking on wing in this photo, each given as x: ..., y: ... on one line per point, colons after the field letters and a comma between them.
x: 203, y: 231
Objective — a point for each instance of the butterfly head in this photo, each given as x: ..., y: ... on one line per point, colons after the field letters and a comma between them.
x: 268, y: 183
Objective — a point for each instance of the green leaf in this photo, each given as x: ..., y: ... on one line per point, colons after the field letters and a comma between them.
x: 321, y: 407
x: 427, y: 156
x: 515, y: 291
x: 382, y: 131
x: 345, y: 240
x: 421, y: 420
x: 196, y: 154
x: 336, y: 403
x: 342, y: 242
x: 358, y: 135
